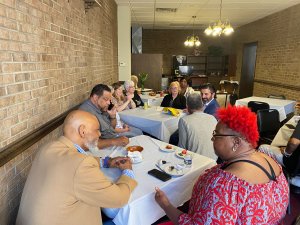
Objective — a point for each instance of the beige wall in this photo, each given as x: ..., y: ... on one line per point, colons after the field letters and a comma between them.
x: 278, y: 52
x: 51, y: 54
x: 170, y: 42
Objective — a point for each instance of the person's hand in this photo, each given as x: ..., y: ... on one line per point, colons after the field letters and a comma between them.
x: 122, y: 163
x: 126, y: 127
x: 282, y: 149
x: 161, y: 198
x: 112, y: 112
x: 121, y: 141
x: 130, y: 96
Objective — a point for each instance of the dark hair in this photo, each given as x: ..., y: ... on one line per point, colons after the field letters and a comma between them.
x: 210, y: 87
x: 194, y: 101
x: 116, y: 85
x: 99, y: 89
x: 183, y: 78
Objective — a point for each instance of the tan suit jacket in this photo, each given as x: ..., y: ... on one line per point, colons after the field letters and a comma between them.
x: 66, y: 187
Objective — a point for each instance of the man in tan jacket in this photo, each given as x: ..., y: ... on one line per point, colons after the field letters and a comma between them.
x: 66, y: 186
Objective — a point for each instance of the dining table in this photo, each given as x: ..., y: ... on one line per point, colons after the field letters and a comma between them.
x: 152, y: 100
x: 142, y: 208
x: 285, y: 132
x: 152, y: 121
x: 284, y: 107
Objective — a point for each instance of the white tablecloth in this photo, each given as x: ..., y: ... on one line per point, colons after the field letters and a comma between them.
x: 152, y: 120
x: 283, y: 135
x: 152, y: 100
x: 142, y: 208
x: 284, y: 107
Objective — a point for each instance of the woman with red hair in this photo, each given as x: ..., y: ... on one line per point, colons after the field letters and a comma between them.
x: 248, y: 188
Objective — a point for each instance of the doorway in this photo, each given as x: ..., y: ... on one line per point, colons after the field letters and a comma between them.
x: 248, y: 70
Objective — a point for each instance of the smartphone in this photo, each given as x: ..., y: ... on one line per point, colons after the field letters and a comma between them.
x: 110, y: 106
x: 159, y: 175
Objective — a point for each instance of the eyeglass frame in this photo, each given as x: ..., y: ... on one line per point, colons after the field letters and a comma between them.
x: 214, y: 135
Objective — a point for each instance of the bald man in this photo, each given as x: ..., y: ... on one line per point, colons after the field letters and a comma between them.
x: 66, y: 186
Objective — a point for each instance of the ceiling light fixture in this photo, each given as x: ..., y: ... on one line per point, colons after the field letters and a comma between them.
x: 193, y: 40
x: 219, y: 27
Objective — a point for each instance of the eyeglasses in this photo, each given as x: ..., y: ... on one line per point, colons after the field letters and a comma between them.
x: 214, y: 134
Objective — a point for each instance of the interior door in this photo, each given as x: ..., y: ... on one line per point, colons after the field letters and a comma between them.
x: 248, y: 70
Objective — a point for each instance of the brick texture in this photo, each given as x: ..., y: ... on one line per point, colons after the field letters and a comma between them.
x: 278, y: 51
x: 51, y: 54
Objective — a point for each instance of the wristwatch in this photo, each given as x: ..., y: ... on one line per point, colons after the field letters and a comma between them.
x: 287, y: 154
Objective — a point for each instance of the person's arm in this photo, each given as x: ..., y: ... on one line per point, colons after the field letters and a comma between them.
x: 293, y: 143
x: 182, y: 128
x: 165, y: 102
x: 291, y: 146
x: 119, y: 141
x: 93, y: 188
x: 172, y: 212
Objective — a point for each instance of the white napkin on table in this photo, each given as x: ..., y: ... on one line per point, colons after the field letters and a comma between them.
x: 135, y: 157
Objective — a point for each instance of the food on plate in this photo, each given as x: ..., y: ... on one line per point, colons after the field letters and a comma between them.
x: 169, y: 147
x: 135, y: 148
x: 183, y: 152
x: 152, y: 93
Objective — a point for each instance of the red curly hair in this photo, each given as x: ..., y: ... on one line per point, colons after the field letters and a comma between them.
x: 241, y: 120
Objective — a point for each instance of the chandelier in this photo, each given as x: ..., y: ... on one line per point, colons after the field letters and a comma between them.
x: 219, y: 27
x: 192, y: 40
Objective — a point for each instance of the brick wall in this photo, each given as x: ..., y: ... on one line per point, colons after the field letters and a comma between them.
x: 170, y: 42
x: 51, y: 54
x: 12, y: 179
x: 278, y: 51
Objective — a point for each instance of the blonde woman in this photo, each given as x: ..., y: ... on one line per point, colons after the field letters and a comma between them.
x: 174, y: 99
x: 120, y: 101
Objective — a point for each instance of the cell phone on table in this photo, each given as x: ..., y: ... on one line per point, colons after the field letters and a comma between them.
x: 159, y: 175
x: 110, y: 106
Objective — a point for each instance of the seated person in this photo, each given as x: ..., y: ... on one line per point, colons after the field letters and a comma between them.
x: 130, y: 90
x: 185, y: 89
x: 174, y: 99
x: 97, y: 104
x: 196, y: 128
x: 289, y: 157
x: 208, y: 93
x: 65, y: 185
x: 119, y: 100
x: 248, y: 188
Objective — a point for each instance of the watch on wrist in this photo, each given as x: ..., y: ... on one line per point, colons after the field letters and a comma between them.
x: 106, y: 162
x: 287, y: 154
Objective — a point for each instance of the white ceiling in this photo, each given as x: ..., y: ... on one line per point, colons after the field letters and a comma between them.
x: 238, y: 12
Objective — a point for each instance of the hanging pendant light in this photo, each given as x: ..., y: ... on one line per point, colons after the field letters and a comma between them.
x: 219, y: 27
x: 192, y: 40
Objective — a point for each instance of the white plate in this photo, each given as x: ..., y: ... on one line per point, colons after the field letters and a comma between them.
x: 164, y: 149
x: 180, y: 155
x: 174, y: 171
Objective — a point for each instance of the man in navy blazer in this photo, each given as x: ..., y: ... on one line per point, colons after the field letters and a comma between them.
x: 208, y: 94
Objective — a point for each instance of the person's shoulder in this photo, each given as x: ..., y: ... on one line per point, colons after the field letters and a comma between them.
x: 215, y: 103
